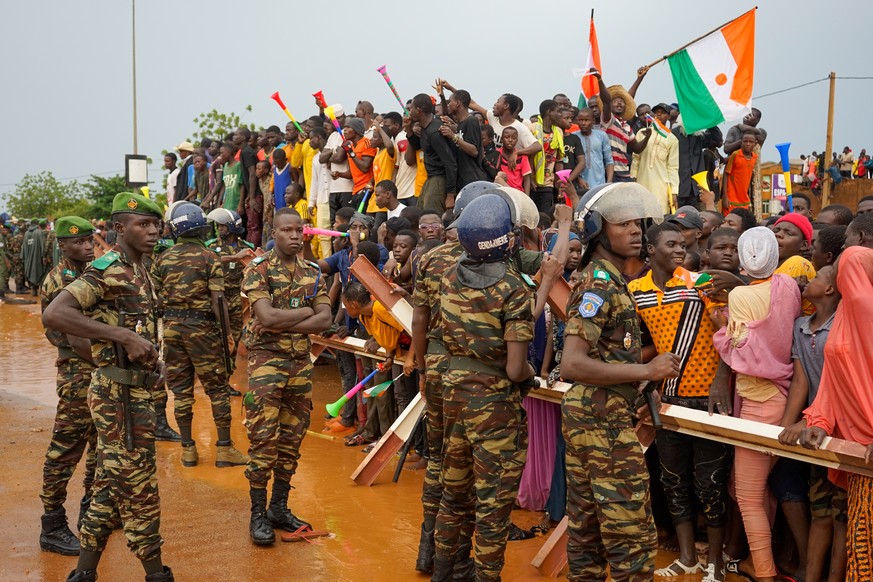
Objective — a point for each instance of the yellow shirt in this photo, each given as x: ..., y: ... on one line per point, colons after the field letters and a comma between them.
x: 383, y: 169
x: 383, y: 327
x: 306, y: 153
x: 801, y: 271
x: 302, y: 209
x: 420, y: 172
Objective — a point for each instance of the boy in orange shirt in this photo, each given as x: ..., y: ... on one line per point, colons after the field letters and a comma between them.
x: 738, y: 174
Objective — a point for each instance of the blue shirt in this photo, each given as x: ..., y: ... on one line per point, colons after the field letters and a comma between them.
x: 808, y: 347
x: 598, y: 155
x: 281, y: 180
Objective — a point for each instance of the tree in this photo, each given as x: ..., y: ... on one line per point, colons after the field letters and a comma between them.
x: 42, y: 195
x: 215, y: 125
x: 101, y: 191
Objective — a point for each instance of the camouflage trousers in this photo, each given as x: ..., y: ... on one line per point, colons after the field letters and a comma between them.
x: 4, y: 273
x: 608, y: 502
x: 235, y: 313
x: 72, y: 434
x: 484, y: 450
x: 125, y: 491
x: 194, y: 348
x: 18, y: 274
x: 278, y: 407
x: 432, y: 489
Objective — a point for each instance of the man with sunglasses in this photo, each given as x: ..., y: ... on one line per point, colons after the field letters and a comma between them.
x: 289, y: 301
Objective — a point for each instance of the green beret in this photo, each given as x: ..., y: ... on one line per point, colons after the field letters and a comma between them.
x: 43, y: 222
x: 72, y: 226
x: 135, y: 204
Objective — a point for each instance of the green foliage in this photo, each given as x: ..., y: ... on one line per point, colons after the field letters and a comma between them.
x: 215, y: 125
x: 101, y: 191
x: 42, y: 195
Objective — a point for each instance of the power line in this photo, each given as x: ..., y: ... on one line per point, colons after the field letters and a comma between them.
x: 806, y: 85
x: 113, y: 172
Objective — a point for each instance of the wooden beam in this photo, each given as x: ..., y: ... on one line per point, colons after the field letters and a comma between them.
x: 390, y: 443
x: 559, y: 296
x: 552, y: 557
x: 381, y: 289
x: 347, y: 344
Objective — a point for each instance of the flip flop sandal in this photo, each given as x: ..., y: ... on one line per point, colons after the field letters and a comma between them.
x: 304, y: 534
x: 709, y: 574
x: 677, y: 568
x: 356, y: 441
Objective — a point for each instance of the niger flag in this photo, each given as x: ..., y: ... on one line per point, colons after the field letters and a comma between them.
x: 713, y: 77
x: 590, y: 87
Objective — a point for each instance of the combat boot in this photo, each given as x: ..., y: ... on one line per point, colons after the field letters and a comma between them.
x: 56, y: 535
x: 278, y: 514
x: 165, y: 575
x: 189, y: 455
x: 442, y: 568
x: 426, y: 548
x: 464, y: 569
x: 228, y: 456
x: 259, y: 526
x: 163, y: 431
x: 84, y: 576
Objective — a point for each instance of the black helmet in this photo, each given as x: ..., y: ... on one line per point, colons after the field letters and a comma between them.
x: 469, y: 192
x: 485, y: 226
x: 187, y: 218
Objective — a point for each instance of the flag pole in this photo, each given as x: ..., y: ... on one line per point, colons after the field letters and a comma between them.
x: 686, y: 45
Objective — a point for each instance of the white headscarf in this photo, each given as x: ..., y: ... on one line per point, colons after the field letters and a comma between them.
x: 759, y: 252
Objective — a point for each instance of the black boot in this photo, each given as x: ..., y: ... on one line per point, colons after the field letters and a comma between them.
x: 56, y: 535
x: 464, y: 569
x: 259, y: 526
x: 233, y: 391
x: 163, y: 431
x: 278, y: 514
x: 85, y: 576
x: 165, y: 575
x: 442, y: 568
x: 426, y: 549
x: 84, y: 504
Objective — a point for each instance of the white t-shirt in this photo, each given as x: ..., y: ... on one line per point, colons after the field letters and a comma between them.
x: 319, y: 192
x: 525, y: 137
x: 171, y: 184
x: 334, y: 141
x: 404, y: 179
x: 396, y: 211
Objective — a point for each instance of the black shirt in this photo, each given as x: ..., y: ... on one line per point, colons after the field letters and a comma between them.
x: 572, y: 148
x: 470, y: 168
x: 439, y: 155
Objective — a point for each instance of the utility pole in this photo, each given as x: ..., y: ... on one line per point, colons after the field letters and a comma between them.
x: 829, y: 143
x: 133, y: 41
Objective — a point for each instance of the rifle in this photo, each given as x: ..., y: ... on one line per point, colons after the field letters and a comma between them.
x: 121, y: 362
x: 225, y: 327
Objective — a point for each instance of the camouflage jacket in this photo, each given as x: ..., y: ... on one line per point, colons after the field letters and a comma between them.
x: 185, y: 274
x: 57, y: 279
x: 15, y: 243
x: 233, y: 271
x: 268, y: 278
x: 477, y: 323
x: 431, y: 268
x: 112, y: 284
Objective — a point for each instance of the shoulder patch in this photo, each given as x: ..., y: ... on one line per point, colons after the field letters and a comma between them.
x: 590, y: 305
x: 247, y: 244
x: 601, y: 274
x: 528, y: 280
x: 211, y: 242
x: 103, y: 262
x: 258, y: 260
x: 69, y: 273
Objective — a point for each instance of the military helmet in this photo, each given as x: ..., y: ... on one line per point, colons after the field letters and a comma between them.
x: 469, y: 192
x: 485, y: 226
x: 186, y: 218
x: 615, y: 203
x: 227, y: 217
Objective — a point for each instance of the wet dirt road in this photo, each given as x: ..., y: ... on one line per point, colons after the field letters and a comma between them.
x: 205, y: 510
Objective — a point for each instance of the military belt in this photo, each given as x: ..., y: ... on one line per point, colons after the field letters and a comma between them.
x: 631, y: 395
x: 197, y: 314
x: 135, y: 378
x: 473, y: 365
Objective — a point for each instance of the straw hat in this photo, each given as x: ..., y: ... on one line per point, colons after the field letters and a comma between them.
x: 630, y: 106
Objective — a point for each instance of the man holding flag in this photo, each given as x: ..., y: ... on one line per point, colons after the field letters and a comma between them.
x: 657, y: 166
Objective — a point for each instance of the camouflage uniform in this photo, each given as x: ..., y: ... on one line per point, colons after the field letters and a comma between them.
x: 73, y: 431
x: 184, y: 277
x: 15, y: 244
x: 51, y: 249
x: 5, y: 261
x: 278, y: 404
x: 485, y: 434
x: 607, y: 481
x: 159, y: 396
x: 233, y: 277
x: 126, y: 488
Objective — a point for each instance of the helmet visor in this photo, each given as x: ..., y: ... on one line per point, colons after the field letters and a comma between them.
x: 624, y: 201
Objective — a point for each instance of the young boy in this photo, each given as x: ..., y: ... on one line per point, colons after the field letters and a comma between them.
x: 404, y: 243
x: 794, y: 236
x: 827, y: 246
x: 711, y: 221
x: 828, y: 501
x: 721, y: 252
x: 518, y: 175
x: 295, y: 198
x: 738, y: 174
x: 491, y: 155
x: 319, y: 189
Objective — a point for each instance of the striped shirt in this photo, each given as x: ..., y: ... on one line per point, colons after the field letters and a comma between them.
x: 620, y: 134
x: 678, y: 320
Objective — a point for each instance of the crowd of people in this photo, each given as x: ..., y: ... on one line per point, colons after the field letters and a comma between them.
x: 474, y: 215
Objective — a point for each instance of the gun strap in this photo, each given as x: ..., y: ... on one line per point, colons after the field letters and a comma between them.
x: 136, y: 378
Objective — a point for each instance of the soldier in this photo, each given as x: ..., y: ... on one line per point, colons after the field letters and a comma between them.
x: 607, y: 481
x: 73, y: 431
x: 163, y: 430
x: 32, y: 255
x: 486, y: 313
x: 289, y: 302
x: 16, y: 243
x: 233, y: 250
x: 51, y: 256
x: 117, y: 293
x: 189, y: 281
x: 5, y: 259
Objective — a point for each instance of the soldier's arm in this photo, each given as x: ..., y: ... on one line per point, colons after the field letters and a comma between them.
x: 64, y: 314
x: 281, y: 319
x: 420, y: 320
x: 317, y: 322
x: 518, y: 369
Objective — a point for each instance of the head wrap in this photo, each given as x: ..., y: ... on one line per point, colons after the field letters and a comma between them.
x: 554, y: 241
x: 801, y: 222
x: 364, y: 219
x: 759, y: 252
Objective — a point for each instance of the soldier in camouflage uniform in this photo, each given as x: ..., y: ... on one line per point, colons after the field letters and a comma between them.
x: 486, y: 313
x: 610, y: 516
x: 15, y: 244
x: 51, y: 247
x: 73, y: 430
x: 189, y: 281
x: 233, y: 250
x: 289, y: 301
x: 117, y: 293
x: 5, y: 259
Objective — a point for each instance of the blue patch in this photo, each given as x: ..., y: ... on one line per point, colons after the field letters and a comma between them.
x: 591, y: 304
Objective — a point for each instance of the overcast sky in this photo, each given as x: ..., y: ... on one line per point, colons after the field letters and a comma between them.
x: 66, y: 99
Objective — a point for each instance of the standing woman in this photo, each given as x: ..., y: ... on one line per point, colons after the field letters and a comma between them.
x: 844, y: 404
